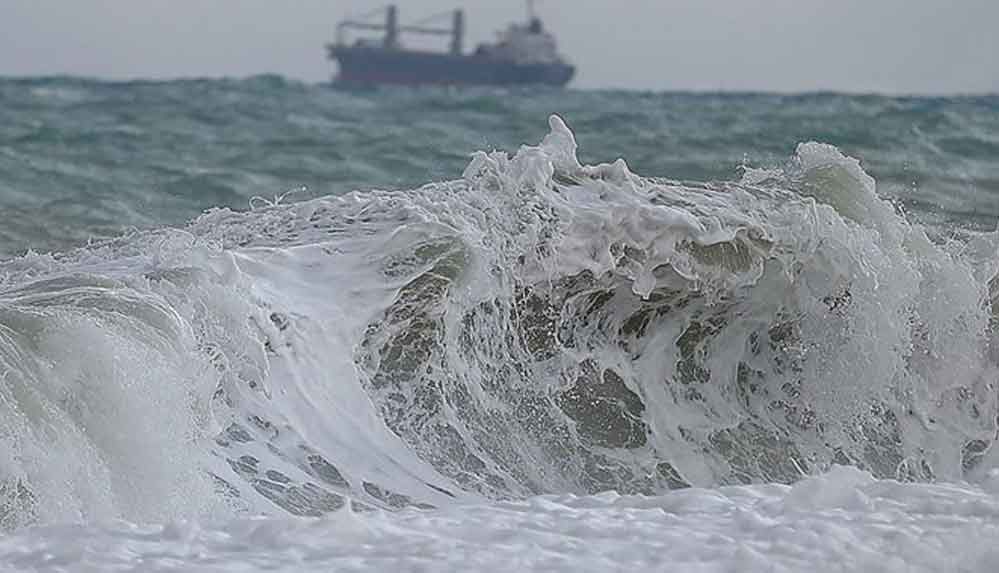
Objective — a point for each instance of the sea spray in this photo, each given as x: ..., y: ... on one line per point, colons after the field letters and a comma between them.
x: 536, y: 326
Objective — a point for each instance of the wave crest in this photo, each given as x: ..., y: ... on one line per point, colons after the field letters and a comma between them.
x: 536, y: 326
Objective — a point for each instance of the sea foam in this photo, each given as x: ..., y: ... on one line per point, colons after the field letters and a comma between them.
x: 536, y: 327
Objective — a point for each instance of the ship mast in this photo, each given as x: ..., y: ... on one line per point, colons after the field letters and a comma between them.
x: 393, y: 30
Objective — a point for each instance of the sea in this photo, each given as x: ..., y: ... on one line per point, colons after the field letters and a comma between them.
x: 260, y: 324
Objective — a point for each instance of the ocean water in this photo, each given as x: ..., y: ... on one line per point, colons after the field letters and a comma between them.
x: 264, y: 324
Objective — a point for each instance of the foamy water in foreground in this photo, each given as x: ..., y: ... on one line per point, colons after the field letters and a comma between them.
x: 455, y: 376
x: 844, y: 520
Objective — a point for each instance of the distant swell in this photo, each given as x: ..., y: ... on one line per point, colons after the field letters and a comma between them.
x: 536, y: 326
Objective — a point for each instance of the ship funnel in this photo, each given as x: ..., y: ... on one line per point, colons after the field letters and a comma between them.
x: 458, y: 32
x: 391, y: 26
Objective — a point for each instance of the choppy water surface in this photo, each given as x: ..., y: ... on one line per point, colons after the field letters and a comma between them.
x: 468, y: 301
x: 84, y: 159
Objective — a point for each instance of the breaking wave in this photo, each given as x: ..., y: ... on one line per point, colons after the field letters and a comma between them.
x: 536, y: 326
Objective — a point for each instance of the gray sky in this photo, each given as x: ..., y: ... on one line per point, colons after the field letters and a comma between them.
x: 911, y: 46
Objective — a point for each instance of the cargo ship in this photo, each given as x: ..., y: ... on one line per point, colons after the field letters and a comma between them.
x: 524, y: 54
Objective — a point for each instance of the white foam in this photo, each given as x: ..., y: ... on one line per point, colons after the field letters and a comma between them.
x: 842, y: 521
x: 536, y: 327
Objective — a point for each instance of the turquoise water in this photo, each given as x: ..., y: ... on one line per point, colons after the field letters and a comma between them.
x: 267, y: 297
x: 82, y: 159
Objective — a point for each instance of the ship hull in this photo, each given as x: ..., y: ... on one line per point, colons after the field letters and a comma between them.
x: 364, y: 66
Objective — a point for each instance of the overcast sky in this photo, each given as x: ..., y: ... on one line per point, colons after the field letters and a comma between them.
x: 910, y: 46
